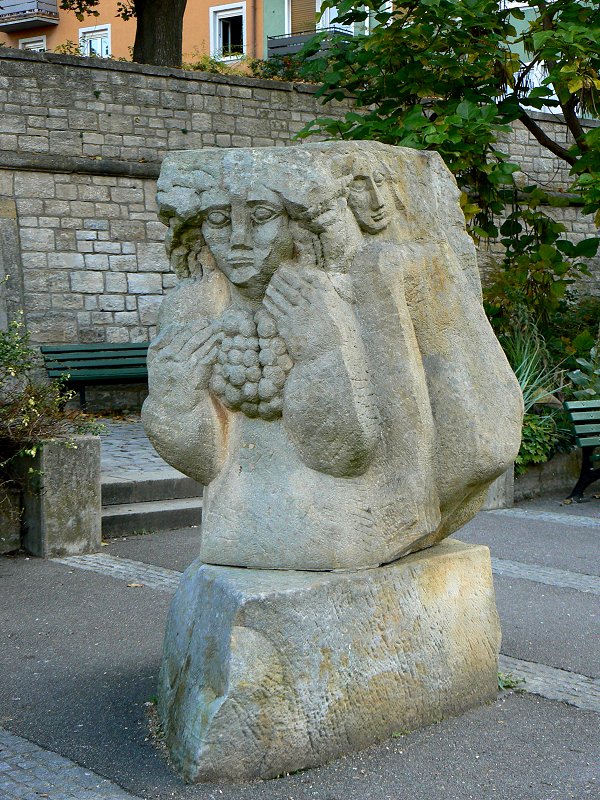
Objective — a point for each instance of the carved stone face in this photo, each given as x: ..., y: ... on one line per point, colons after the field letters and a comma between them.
x: 247, y: 231
x: 369, y: 200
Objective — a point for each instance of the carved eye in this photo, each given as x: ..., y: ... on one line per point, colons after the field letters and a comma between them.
x: 378, y: 178
x: 358, y: 185
x: 263, y: 214
x: 217, y: 218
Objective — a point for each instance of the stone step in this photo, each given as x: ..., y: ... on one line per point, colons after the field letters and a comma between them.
x: 158, y: 515
x: 145, y: 488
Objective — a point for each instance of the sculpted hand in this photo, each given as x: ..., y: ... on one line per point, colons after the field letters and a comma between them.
x: 309, y: 312
x: 183, y: 356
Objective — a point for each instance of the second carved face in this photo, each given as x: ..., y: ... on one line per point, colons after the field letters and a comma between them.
x: 369, y: 200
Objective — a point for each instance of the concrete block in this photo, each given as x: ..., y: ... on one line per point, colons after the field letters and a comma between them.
x: 266, y: 672
x: 62, y: 497
x: 557, y: 475
x: 501, y: 493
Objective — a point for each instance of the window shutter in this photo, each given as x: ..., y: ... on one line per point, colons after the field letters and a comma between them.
x: 303, y: 15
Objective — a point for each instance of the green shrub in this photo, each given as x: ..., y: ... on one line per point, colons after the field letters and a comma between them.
x: 280, y: 68
x: 544, y: 431
x: 539, y: 440
x: 587, y: 377
x: 31, y: 411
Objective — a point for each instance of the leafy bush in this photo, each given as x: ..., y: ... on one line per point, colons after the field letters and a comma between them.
x: 200, y: 62
x: 31, y: 411
x: 279, y: 68
x: 543, y: 429
x: 538, y: 441
x: 587, y: 377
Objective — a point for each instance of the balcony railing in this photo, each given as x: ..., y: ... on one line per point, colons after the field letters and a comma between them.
x: 289, y: 44
x: 18, y: 15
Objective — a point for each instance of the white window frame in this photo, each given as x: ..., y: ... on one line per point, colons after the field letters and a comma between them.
x: 38, y: 42
x: 287, y: 17
x: 85, y: 34
x: 327, y: 20
x: 218, y: 13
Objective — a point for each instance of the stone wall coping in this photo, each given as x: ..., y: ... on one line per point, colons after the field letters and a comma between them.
x: 13, y: 54
x: 46, y: 162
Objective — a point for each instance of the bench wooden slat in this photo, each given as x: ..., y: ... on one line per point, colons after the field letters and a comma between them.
x: 592, y: 441
x: 582, y: 416
x: 59, y: 357
x: 585, y: 405
x: 585, y: 418
x: 91, y: 348
x: 98, y: 375
x: 80, y: 364
x: 137, y: 361
x: 595, y: 428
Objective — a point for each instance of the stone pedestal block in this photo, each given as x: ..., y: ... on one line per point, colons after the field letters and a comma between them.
x: 266, y: 672
x: 62, y: 498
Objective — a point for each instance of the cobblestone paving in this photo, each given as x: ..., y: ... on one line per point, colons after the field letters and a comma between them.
x: 549, y: 516
x: 166, y: 580
x: 548, y: 575
x: 29, y: 773
x: 127, y: 453
x: 554, y: 684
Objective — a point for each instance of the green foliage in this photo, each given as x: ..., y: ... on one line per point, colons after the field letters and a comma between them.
x: 527, y: 355
x: 83, y: 8
x: 68, y: 48
x: 540, y: 383
x: 30, y: 411
x: 429, y: 76
x: 506, y: 681
x: 279, y: 68
x: 587, y: 377
x: 200, y: 62
x: 538, y: 441
x: 445, y: 75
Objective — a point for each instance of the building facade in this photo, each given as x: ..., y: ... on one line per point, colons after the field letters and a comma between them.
x: 220, y: 28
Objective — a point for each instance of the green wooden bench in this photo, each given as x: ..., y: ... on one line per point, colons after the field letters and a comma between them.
x: 83, y: 364
x: 585, y: 416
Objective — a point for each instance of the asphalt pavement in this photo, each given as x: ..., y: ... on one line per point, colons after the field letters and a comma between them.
x: 80, y: 648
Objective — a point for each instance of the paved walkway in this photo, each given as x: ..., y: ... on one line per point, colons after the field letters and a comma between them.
x: 28, y: 773
x: 127, y: 455
x: 81, y: 647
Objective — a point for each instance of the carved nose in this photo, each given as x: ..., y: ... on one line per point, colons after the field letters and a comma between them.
x: 240, y: 235
x: 376, y: 198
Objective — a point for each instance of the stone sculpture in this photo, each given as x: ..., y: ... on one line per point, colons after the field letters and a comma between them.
x: 325, y: 368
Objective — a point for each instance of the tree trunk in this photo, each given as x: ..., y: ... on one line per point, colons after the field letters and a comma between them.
x: 159, y: 32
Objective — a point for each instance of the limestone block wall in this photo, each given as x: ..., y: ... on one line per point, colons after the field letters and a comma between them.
x: 81, y: 142
x: 92, y: 259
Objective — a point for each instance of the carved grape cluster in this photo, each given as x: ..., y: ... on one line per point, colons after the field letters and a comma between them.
x: 252, y: 364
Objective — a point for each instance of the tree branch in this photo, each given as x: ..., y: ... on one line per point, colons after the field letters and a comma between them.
x: 545, y: 140
x: 573, y: 122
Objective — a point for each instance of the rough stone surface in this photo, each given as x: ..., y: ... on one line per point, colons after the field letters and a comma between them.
x: 62, y: 500
x: 10, y: 519
x: 501, y: 493
x: 325, y: 365
x: 267, y: 672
